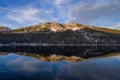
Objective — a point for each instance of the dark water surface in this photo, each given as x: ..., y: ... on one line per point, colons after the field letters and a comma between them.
x: 31, y: 63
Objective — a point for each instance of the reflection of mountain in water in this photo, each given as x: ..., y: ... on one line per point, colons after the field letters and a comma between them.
x: 51, y: 58
x: 84, y: 52
x: 58, y: 57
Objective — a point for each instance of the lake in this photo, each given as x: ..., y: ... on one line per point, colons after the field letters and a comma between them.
x: 59, y: 63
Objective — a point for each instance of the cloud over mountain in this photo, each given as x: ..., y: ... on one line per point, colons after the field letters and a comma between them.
x: 90, y: 12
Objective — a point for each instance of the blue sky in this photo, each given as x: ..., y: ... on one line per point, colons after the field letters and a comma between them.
x: 22, y: 13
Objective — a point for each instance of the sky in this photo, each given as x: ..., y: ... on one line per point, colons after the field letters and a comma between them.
x: 22, y: 13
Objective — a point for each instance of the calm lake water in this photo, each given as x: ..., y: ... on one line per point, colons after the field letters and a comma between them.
x: 31, y: 63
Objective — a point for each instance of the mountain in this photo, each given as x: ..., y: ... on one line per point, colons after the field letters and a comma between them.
x: 49, y: 34
x: 56, y: 27
x: 4, y: 29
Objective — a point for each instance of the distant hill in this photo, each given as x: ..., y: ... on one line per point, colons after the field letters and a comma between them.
x: 4, y: 29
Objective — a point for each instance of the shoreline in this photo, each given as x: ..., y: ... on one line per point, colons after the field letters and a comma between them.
x: 45, y: 44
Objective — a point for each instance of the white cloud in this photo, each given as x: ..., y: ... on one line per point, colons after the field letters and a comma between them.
x: 58, y: 2
x: 79, y: 11
x: 87, y: 11
x: 23, y: 15
x: 117, y: 26
x: 31, y: 15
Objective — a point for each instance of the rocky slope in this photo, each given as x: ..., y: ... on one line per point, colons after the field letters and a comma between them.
x: 61, y: 34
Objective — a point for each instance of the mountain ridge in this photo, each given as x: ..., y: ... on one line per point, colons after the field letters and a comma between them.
x: 55, y: 34
x: 57, y: 27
